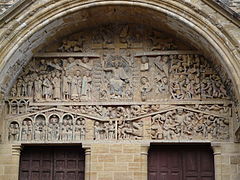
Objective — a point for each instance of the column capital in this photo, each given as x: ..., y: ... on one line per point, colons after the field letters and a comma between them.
x: 87, y: 148
x: 144, y: 148
x: 216, y: 147
x: 16, y: 149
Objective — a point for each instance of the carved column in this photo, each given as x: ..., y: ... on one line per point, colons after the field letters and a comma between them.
x: 217, y: 160
x: 87, y: 148
x: 16, y: 152
x: 144, y: 160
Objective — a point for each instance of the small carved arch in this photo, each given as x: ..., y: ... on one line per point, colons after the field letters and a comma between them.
x: 28, y: 121
x: 14, y: 107
x: 22, y: 105
x: 68, y: 117
x: 53, y: 118
x: 40, y: 119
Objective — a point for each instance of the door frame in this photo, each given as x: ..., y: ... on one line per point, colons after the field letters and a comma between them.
x: 18, y: 148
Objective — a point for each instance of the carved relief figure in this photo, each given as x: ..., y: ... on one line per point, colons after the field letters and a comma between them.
x: 13, y: 131
x: 46, y: 87
x: 144, y: 63
x: 67, y: 86
x: 80, y: 130
x: 76, y: 86
x: 130, y: 130
x: 185, y: 124
x: 118, y: 79
x: 97, y: 131
x: 27, y: 129
x: 53, y: 128
x: 86, y: 85
x: 56, y: 85
x: 145, y: 88
x: 38, y: 89
x: 40, y: 128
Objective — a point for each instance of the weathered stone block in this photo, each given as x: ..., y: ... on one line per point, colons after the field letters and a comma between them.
x: 235, y: 159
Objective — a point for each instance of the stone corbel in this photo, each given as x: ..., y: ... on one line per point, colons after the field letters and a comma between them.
x: 16, y: 149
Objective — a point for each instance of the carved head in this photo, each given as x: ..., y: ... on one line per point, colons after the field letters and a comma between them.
x: 71, y: 60
x: 144, y: 80
x: 42, y: 61
x: 164, y: 58
x: 53, y: 74
x: 97, y: 123
x: 83, y: 121
x: 78, y: 73
x: 144, y: 59
x: 85, y: 60
x: 180, y: 111
x: 55, y: 60
x: 16, y: 126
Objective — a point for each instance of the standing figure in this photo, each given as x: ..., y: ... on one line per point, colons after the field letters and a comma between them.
x: 97, y: 131
x: 38, y: 89
x: 29, y: 130
x: 145, y: 88
x: 24, y: 131
x: 54, y: 127
x: 64, y: 135
x: 13, y: 132
x: 76, y: 86
x: 56, y: 85
x: 30, y: 86
x: 86, y: 85
x: 19, y: 87
x: 47, y: 87
x: 67, y: 84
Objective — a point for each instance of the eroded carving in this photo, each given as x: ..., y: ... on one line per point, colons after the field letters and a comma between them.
x: 185, y: 124
x: 115, y: 76
x: 13, y: 131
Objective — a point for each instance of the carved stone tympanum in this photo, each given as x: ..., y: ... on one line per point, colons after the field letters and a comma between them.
x: 119, y: 82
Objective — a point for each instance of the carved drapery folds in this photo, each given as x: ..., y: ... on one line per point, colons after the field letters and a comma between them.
x: 113, y: 78
x: 105, y: 82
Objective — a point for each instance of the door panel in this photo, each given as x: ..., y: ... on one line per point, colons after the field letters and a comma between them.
x: 52, y: 163
x: 180, y: 162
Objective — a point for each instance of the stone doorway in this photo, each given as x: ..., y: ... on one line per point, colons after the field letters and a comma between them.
x: 52, y: 163
x: 180, y: 162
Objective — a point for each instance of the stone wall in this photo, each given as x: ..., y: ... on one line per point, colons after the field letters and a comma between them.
x: 118, y: 161
x: 9, y: 160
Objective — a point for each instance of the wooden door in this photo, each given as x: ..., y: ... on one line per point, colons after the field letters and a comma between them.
x: 180, y: 163
x: 52, y: 163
